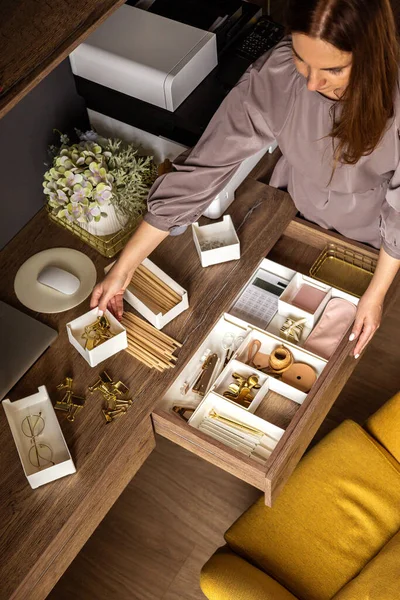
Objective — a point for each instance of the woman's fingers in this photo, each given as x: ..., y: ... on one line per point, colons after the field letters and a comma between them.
x: 116, y: 306
x: 96, y: 295
x: 365, y: 336
x: 105, y: 299
x: 357, y: 328
x: 119, y: 305
x: 112, y: 306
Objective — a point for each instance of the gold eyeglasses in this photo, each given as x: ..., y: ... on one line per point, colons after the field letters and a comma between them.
x: 40, y: 455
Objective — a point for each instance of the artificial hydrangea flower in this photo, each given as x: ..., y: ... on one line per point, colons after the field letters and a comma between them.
x: 86, y: 176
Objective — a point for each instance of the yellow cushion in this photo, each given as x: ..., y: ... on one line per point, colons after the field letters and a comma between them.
x: 384, y: 426
x: 380, y: 579
x: 226, y: 576
x: 339, y: 508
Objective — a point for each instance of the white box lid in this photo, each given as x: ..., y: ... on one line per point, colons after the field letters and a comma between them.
x: 146, y: 39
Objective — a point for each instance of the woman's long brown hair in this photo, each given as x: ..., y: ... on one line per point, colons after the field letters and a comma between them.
x: 367, y: 29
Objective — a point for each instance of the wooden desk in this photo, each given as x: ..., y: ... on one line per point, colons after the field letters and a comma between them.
x: 42, y: 530
x: 37, y: 36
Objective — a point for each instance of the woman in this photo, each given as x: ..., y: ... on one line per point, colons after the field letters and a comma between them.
x: 329, y: 94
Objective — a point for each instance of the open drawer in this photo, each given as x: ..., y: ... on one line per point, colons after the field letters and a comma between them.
x: 292, y: 418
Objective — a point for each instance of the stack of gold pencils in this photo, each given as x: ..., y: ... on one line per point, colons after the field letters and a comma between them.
x: 152, y: 291
x: 149, y: 345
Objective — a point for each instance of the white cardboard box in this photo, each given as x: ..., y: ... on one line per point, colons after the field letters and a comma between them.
x: 158, y: 320
x: 223, y: 231
x: 51, y: 435
x: 146, y: 56
x: 108, y: 348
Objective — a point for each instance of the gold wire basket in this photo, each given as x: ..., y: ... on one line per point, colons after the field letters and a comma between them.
x: 106, y: 245
x: 345, y: 269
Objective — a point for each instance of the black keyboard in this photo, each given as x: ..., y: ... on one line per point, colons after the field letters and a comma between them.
x: 264, y: 36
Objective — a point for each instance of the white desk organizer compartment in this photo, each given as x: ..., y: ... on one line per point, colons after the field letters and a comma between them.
x: 275, y: 325
x: 158, y: 320
x: 146, y: 56
x: 118, y: 342
x: 225, y: 379
x: 339, y: 294
x: 224, y: 231
x: 243, y: 310
x: 286, y: 309
x: 232, y: 411
x: 51, y: 435
x: 213, y: 342
x: 268, y: 344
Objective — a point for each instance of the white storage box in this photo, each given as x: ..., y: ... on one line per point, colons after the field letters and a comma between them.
x: 159, y: 320
x: 153, y: 145
x: 118, y: 342
x: 287, y: 308
x: 223, y: 232
x: 51, y: 435
x: 146, y: 56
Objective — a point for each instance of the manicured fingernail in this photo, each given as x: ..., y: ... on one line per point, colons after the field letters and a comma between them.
x: 357, y: 356
x: 352, y: 337
x: 100, y: 313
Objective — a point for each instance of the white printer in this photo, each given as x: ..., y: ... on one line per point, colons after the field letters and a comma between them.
x: 146, y: 56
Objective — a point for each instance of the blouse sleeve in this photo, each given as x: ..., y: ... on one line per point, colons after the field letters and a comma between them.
x: 248, y: 120
x: 390, y: 217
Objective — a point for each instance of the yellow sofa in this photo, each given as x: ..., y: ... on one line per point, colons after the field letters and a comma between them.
x: 333, y: 533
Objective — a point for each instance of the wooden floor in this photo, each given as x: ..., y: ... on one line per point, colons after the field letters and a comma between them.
x: 153, y: 542
x: 173, y: 514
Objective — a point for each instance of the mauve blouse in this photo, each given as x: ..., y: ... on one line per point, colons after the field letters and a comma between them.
x: 272, y: 102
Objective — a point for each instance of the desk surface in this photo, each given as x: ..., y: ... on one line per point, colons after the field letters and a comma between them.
x: 42, y: 530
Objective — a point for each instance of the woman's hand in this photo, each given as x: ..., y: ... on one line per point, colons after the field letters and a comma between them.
x: 368, y: 319
x: 369, y: 312
x: 109, y: 293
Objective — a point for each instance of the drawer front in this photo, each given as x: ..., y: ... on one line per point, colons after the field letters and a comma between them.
x: 170, y: 426
x: 297, y: 249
